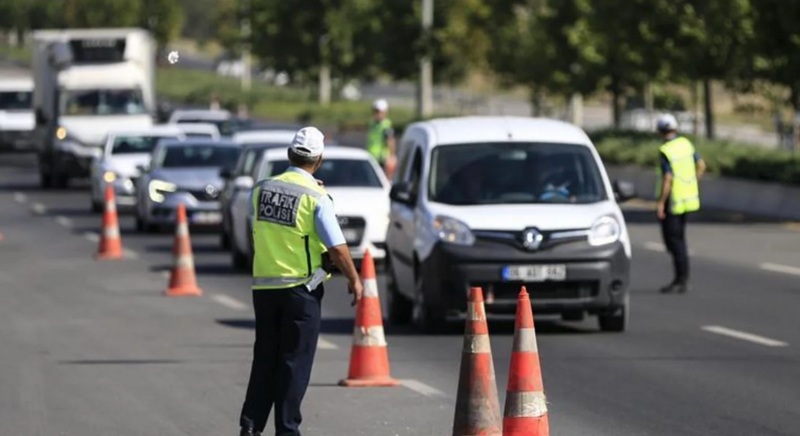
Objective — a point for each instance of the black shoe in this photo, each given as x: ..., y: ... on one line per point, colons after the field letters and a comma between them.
x: 670, y: 288
x: 248, y: 432
x: 683, y: 288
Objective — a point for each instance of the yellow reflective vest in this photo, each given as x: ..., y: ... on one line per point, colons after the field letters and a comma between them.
x: 376, y: 139
x: 287, y: 248
x: 685, y: 192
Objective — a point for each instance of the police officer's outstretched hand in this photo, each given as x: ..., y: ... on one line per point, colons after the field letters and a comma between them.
x: 355, y: 288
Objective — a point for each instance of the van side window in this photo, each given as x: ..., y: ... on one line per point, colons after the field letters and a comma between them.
x: 406, y: 153
x: 416, y: 171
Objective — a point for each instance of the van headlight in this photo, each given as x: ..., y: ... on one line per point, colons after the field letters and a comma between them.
x: 157, y: 189
x: 110, y: 176
x: 605, y: 230
x: 452, y: 230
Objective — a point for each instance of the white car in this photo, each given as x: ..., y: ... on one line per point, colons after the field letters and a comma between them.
x: 355, y: 182
x: 223, y: 119
x: 264, y: 137
x: 501, y: 202
x: 123, y: 152
x: 199, y: 130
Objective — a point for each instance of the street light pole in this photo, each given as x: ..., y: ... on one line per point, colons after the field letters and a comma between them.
x: 245, y: 28
x: 425, y: 98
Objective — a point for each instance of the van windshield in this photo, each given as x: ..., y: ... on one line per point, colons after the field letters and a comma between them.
x: 102, y: 102
x: 514, y: 173
x: 16, y: 100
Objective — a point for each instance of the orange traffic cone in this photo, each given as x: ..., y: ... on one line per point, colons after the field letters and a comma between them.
x: 183, y: 281
x: 526, y: 406
x: 477, y: 406
x: 110, y: 246
x: 369, y: 356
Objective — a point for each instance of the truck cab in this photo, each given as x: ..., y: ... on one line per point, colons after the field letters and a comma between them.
x: 87, y: 82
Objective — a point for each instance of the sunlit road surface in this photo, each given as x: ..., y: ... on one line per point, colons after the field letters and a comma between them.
x: 92, y: 348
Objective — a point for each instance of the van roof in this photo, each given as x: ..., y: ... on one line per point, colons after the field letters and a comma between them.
x: 475, y: 129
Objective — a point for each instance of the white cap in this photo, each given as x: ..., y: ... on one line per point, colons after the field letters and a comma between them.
x: 667, y: 122
x: 380, y: 105
x: 308, y: 142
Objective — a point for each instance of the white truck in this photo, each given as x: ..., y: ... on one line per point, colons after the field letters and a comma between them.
x: 88, y: 81
x: 16, y: 113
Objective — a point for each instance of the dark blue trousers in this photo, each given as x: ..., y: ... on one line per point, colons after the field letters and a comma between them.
x: 287, y: 330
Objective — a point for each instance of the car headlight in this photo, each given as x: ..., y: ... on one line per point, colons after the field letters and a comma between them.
x: 158, y: 187
x: 452, y: 230
x: 61, y: 133
x: 605, y: 230
x: 109, y: 176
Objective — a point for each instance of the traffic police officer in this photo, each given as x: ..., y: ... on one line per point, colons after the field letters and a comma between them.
x: 678, y: 195
x: 295, y: 236
x: 380, y: 137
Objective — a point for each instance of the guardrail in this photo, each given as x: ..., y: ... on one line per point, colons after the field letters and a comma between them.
x: 772, y: 200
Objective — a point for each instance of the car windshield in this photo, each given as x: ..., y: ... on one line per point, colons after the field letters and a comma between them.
x: 226, y: 127
x: 338, y: 173
x: 514, y: 173
x: 197, y: 155
x: 102, y: 102
x: 197, y: 135
x: 136, y: 144
x: 15, y: 100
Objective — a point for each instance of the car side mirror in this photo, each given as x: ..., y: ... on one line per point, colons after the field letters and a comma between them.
x: 624, y: 190
x: 401, y: 193
x: 243, y: 182
x: 225, y: 173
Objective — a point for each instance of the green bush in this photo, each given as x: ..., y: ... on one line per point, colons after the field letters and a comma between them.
x: 723, y: 158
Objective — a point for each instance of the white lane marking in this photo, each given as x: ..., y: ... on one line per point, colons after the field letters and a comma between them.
x: 92, y: 237
x: 64, y: 221
x: 39, y: 208
x: 774, y: 267
x: 20, y: 197
x: 724, y: 331
x: 322, y: 344
x: 422, y: 388
x: 229, y: 302
x: 130, y: 254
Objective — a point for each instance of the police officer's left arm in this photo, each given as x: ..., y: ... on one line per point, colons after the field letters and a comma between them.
x: 700, y: 165
x: 330, y: 233
x: 666, y: 185
x: 388, y: 136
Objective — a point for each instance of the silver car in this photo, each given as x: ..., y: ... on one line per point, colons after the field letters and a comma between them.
x: 184, y: 172
x: 124, y: 151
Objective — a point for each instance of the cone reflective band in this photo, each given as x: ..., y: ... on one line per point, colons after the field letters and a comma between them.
x: 369, y: 355
x: 526, y: 405
x: 182, y: 281
x: 110, y: 245
x: 477, y: 406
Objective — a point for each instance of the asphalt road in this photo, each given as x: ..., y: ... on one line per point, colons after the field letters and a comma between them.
x: 93, y: 348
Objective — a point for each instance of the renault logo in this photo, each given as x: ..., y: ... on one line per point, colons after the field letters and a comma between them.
x: 211, y: 191
x: 531, y: 239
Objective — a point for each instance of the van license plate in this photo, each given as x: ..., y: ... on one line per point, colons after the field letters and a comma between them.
x: 534, y: 273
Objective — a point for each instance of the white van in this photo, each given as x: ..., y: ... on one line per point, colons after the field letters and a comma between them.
x: 501, y: 202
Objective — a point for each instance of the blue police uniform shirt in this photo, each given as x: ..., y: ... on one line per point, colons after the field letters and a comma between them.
x: 324, y: 215
x: 666, y: 168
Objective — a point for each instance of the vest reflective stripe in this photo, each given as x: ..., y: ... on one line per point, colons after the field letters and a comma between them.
x: 287, y: 247
x: 685, y: 192
x: 376, y: 143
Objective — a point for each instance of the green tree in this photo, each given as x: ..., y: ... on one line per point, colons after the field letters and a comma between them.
x: 227, y: 30
x: 547, y: 46
x: 101, y: 13
x: 715, y: 38
x: 164, y: 19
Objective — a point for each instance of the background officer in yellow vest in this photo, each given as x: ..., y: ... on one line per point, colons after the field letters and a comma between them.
x: 380, y: 138
x: 295, y: 236
x: 678, y: 195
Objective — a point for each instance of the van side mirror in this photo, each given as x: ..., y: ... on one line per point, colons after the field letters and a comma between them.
x: 142, y: 168
x: 624, y: 190
x: 225, y: 173
x: 40, y: 118
x: 401, y: 193
x: 243, y: 182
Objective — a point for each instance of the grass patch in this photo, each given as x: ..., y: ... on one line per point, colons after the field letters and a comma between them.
x: 265, y: 101
x: 724, y: 158
x: 15, y: 54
